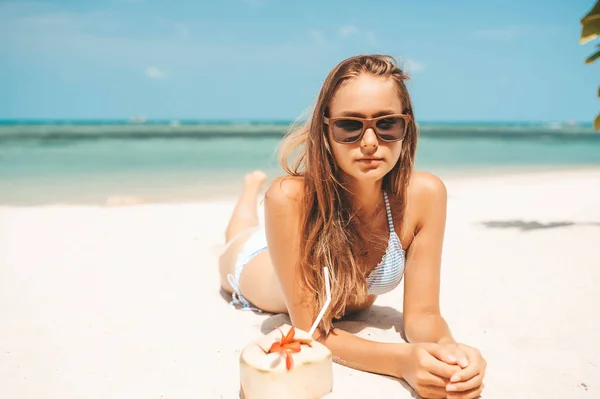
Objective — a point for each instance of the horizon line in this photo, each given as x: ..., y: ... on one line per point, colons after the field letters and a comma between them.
x: 136, y: 121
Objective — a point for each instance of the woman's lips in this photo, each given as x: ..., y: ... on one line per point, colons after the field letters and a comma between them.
x: 369, y: 160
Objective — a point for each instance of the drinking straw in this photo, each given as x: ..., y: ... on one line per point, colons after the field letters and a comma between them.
x: 322, y: 312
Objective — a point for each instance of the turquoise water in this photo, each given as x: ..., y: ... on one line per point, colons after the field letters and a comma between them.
x: 48, y: 162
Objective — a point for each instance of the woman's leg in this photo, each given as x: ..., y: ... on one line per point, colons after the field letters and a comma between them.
x: 258, y: 282
x: 242, y: 223
x: 245, y: 213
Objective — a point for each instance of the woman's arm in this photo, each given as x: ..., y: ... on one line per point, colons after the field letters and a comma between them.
x: 422, y: 318
x: 419, y: 364
x: 282, y: 219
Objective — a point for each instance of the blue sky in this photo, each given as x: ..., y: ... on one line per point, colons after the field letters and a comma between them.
x: 266, y: 59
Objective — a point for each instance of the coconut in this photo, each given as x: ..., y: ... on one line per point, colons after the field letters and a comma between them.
x: 286, y: 363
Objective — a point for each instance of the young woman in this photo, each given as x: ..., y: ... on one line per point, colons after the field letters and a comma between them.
x: 352, y: 202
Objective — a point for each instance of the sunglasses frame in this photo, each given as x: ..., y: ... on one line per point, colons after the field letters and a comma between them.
x: 369, y: 123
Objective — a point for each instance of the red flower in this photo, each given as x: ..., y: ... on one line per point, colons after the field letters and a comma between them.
x: 287, y: 345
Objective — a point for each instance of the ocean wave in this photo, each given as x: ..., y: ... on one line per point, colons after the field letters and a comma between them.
x: 137, y: 132
x: 106, y: 131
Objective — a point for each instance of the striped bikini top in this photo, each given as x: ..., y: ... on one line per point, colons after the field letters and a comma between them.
x: 388, y: 273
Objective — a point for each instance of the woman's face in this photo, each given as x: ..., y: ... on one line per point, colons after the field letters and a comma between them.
x: 366, y: 96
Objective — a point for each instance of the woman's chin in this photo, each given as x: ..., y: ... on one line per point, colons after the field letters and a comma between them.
x: 368, y: 174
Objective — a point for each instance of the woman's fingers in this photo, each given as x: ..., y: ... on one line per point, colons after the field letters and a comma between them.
x: 425, y: 378
x: 450, y: 353
x: 473, y: 393
x: 476, y: 366
x: 439, y: 368
x: 445, y: 353
x: 433, y: 379
x: 461, y: 357
x: 473, y: 383
x: 431, y: 392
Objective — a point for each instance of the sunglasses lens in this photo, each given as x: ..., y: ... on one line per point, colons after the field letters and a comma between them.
x: 346, y: 130
x: 391, y: 129
x: 349, y: 130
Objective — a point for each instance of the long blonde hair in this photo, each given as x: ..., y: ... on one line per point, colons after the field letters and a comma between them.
x: 328, y: 236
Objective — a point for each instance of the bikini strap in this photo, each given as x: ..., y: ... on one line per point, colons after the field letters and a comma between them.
x: 388, y: 211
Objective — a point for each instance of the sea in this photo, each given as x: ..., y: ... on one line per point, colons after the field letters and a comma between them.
x: 96, y: 161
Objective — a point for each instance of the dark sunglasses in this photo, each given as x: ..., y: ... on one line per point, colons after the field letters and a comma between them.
x: 348, y: 129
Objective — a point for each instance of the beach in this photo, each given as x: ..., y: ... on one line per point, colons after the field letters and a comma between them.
x: 124, y: 302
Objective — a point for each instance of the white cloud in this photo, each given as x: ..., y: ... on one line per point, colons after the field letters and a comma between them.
x: 501, y: 34
x: 412, y: 66
x: 154, y: 73
x: 347, y: 31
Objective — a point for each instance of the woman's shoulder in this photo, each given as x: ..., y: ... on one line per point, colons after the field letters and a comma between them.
x: 427, y: 197
x: 285, y: 191
x: 425, y: 186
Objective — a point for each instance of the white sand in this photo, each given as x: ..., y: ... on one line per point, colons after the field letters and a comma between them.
x: 123, y: 302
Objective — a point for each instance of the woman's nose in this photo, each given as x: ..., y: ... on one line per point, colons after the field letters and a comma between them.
x: 369, y: 140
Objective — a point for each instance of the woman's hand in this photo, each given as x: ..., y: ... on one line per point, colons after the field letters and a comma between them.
x: 467, y: 382
x: 426, y: 372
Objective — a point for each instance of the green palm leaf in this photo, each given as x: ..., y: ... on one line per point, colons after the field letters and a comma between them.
x: 590, y: 29
x: 590, y: 25
x: 592, y: 57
